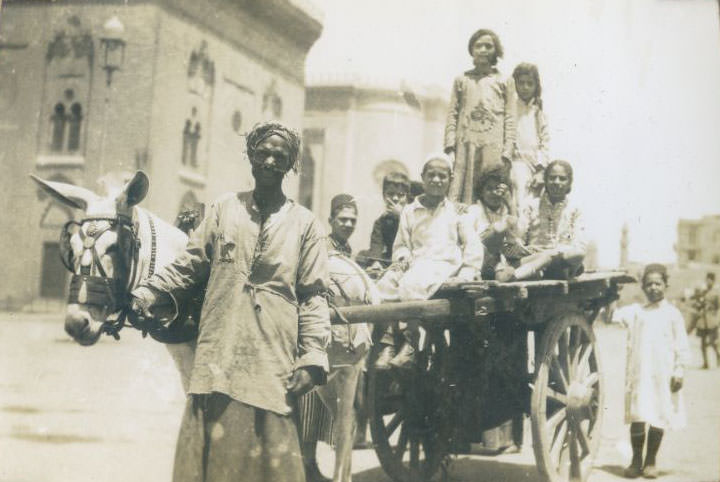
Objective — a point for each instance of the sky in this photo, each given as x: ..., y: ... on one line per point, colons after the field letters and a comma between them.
x: 631, y: 89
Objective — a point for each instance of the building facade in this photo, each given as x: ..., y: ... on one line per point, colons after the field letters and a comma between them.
x: 166, y: 86
x: 698, y: 241
x: 355, y: 131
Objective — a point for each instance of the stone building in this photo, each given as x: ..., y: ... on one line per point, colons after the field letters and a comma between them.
x: 357, y: 130
x: 167, y: 86
x: 698, y: 241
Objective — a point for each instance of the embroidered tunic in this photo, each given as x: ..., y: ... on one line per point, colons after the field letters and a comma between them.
x: 545, y: 225
x: 438, y: 243
x: 657, y: 349
x: 264, y: 313
x: 480, y: 127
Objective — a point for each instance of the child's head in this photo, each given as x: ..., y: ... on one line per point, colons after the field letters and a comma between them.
x: 527, y: 83
x: 395, y: 189
x: 493, y: 188
x: 485, y: 47
x: 343, y: 216
x: 436, y: 175
x: 710, y: 279
x: 654, y: 282
x: 558, y: 177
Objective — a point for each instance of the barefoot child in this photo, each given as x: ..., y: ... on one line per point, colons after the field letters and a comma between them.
x: 657, y: 352
x: 531, y: 143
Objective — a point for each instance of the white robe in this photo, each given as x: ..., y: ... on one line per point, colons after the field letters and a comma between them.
x: 657, y: 350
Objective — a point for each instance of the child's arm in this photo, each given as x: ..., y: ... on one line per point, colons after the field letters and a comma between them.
x: 473, y: 251
x: 681, y: 347
x: 402, y: 248
x: 452, y: 116
x: 543, y: 132
x: 509, y: 126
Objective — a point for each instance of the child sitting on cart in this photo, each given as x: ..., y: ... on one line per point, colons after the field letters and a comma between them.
x: 552, y: 230
x: 494, y: 221
x: 434, y: 242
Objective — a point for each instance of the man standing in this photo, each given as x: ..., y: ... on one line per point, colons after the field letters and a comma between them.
x: 706, y: 305
x: 264, y: 327
x: 349, y: 284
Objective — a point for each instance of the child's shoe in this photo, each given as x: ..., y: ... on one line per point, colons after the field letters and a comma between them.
x: 405, y: 359
x: 384, y: 357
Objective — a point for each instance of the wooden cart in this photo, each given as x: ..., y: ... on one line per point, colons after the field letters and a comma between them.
x: 473, y: 374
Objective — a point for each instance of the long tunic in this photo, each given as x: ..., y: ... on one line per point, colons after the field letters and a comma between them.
x: 480, y: 128
x: 265, y: 313
x: 438, y: 243
x: 531, y: 146
x: 657, y: 349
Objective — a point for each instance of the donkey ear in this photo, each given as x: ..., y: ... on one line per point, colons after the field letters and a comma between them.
x: 68, y: 194
x: 137, y: 188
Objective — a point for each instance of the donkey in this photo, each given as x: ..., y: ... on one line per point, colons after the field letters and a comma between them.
x: 114, y: 246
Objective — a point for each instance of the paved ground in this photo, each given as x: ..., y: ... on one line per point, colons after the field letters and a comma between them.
x: 110, y: 413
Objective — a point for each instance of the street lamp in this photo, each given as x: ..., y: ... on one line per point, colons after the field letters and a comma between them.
x: 113, y: 46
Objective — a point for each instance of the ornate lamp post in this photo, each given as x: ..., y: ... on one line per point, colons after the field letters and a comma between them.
x: 113, y: 47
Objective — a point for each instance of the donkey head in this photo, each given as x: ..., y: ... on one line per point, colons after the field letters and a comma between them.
x: 99, y: 250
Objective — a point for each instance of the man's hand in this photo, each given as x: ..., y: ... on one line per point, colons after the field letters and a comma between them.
x: 301, y: 382
x: 141, y: 301
x: 676, y: 384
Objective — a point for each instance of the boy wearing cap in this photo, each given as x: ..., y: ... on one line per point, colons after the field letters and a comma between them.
x: 434, y: 242
x: 657, y: 353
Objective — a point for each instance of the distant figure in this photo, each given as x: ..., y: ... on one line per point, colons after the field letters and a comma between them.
x: 480, y: 126
x: 530, y: 155
x: 657, y: 353
x: 705, y: 305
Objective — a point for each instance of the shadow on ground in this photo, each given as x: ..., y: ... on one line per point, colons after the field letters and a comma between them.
x: 469, y: 469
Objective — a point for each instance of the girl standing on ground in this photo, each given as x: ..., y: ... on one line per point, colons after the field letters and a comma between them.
x: 657, y: 353
x: 480, y: 126
x: 530, y: 155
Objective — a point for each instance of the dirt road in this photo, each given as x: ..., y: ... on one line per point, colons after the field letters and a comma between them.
x: 110, y: 413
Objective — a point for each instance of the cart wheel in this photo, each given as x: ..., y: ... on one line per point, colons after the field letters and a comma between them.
x: 567, y: 400
x: 409, y: 420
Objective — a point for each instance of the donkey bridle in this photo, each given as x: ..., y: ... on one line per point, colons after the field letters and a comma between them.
x: 111, y: 294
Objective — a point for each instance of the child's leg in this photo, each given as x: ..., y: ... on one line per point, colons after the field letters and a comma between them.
x: 637, y: 440
x: 703, y: 346
x: 654, y: 437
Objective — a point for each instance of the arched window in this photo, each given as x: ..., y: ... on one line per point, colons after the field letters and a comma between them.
x: 307, y: 178
x: 186, y: 142
x: 195, y: 139
x: 58, y: 128
x: 74, y: 131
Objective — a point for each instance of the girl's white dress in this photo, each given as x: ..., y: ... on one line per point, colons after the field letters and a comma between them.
x: 657, y: 350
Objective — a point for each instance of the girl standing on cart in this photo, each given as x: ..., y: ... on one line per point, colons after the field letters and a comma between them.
x: 480, y: 126
x: 657, y: 353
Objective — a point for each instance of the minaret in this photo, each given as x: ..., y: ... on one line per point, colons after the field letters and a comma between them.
x: 624, y: 242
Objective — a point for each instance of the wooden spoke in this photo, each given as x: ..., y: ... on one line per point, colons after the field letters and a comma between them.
x: 557, y: 396
x: 592, y: 379
x: 574, y: 456
x: 582, y: 439
x: 402, y: 442
x: 555, y: 419
x: 394, y: 423
x: 557, y: 369
x: 584, y: 361
x: 559, y: 442
x: 414, y: 453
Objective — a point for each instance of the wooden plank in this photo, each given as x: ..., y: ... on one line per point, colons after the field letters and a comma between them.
x: 427, y: 311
